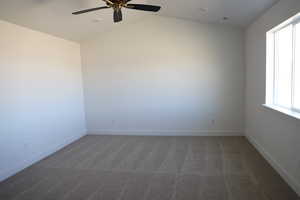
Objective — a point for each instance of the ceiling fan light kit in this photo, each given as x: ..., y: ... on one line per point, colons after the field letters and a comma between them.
x: 117, y: 6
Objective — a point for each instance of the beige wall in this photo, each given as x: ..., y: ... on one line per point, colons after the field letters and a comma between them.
x: 165, y: 76
x: 41, y: 100
x: 276, y: 135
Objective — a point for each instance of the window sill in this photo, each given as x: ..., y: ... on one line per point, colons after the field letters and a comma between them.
x: 285, y: 111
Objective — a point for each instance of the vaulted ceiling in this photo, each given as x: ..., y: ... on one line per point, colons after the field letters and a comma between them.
x: 54, y: 16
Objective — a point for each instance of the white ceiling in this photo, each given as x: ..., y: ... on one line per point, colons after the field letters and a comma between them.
x: 54, y: 16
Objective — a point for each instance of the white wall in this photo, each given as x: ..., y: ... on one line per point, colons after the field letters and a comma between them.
x: 277, y: 136
x: 41, y: 100
x: 165, y: 76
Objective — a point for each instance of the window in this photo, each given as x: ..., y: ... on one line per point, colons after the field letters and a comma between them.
x: 283, y: 67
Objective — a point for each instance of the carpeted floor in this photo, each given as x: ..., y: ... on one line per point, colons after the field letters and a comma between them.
x: 150, y: 168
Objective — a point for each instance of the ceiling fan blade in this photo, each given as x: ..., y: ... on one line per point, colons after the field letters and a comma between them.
x: 117, y: 15
x: 143, y: 7
x: 89, y: 10
x: 108, y: 2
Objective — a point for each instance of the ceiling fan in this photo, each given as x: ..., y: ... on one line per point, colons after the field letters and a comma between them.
x: 117, y: 6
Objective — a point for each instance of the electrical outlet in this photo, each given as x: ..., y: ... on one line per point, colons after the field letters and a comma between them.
x: 25, y: 146
x: 213, y: 122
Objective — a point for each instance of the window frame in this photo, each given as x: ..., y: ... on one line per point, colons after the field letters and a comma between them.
x: 272, y: 68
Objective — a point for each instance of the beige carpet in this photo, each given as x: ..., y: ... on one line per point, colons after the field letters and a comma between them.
x: 150, y: 168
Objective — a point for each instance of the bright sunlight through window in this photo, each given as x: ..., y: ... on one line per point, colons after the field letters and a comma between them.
x: 283, y: 66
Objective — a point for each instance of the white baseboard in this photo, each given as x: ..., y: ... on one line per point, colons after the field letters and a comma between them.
x: 167, y: 132
x: 275, y: 164
x: 37, y: 157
